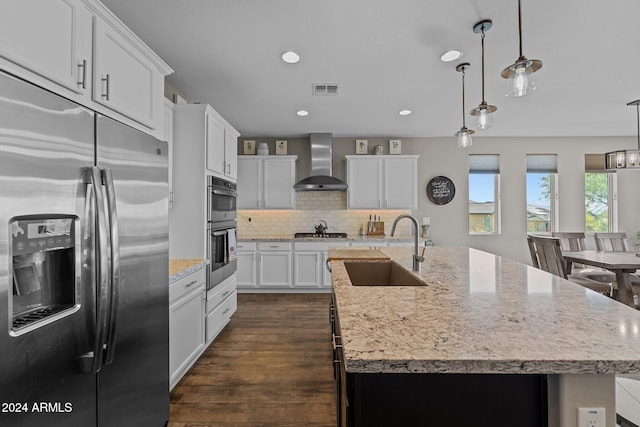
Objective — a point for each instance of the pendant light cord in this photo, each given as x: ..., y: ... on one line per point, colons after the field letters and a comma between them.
x: 483, y: 101
x: 464, y: 125
x: 638, y: 122
x: 520, y: 26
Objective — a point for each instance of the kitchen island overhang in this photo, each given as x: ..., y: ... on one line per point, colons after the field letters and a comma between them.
x: 484, y: 314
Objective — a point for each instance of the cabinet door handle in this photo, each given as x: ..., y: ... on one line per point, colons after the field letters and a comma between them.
x: 228, y: 168
x: 82, y: 72
x: 106, y: 79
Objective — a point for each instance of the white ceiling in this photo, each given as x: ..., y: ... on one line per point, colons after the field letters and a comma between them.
x: 385, y: 56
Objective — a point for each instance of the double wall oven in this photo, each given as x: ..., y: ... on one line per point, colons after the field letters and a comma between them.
x: 221, y: 230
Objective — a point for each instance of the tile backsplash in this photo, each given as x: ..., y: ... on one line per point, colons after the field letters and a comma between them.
x: 311, y: 207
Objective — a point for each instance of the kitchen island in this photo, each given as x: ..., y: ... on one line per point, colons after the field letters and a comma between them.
x: 481, y: 316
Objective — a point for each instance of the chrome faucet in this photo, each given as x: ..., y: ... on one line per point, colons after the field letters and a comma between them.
x: 416, y: 258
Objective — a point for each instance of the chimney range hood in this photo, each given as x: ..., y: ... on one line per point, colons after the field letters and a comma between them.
x: 320, y: 179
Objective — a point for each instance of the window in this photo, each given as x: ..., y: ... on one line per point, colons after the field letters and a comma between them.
x: 542, y: 195
x: 600, y: 196
x: 484, y: 194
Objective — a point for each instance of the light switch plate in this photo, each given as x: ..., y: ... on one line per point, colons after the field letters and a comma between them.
x: 591, y: 417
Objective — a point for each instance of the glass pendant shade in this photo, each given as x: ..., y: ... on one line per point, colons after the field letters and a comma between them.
x: 521, y: 81
x: 483, y: 116
x: 519, y: 73
x: 464, y: 137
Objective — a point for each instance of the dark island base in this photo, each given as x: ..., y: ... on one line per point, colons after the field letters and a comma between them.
x: 450, y: 400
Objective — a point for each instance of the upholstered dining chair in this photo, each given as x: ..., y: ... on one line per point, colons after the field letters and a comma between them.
x: 575, y: 241
x: 546, y: 255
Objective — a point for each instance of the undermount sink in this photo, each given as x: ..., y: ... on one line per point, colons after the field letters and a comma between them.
x: 380, y: 273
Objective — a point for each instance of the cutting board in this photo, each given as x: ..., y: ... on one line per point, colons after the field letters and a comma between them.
x: 356, y: 253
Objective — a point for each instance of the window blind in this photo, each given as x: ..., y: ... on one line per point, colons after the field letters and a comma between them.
x: 484, y: 163
x: 542, y: 163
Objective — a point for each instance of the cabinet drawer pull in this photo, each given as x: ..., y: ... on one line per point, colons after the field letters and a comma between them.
x: 334, y: 341
x: 191, y: 283
x: 225, y: 293
x: 82, y: 66
x: 226, y: 311
x: 274, y: 246
x: 106, y: 79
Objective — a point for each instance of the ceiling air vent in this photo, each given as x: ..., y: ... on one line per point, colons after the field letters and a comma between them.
x: 325, y: 89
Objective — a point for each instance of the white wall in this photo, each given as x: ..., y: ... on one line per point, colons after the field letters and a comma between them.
x: 449, y: 224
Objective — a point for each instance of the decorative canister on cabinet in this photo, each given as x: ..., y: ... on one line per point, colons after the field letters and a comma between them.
x: 263, y: 149
x: 378, y: 150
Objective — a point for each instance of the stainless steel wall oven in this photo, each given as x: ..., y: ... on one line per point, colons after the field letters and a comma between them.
x: 221, y: 229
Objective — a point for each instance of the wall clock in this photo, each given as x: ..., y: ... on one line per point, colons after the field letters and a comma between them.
x: 440, y: 190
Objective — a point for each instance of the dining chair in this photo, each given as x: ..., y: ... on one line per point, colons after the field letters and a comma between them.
x: 575, y: 241
x: 611, y: 242
x: 617, y: 242
x: 546, y: 254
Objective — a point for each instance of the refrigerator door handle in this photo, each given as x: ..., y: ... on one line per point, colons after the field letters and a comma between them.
x: 115, y: 266
x: 102, y: 266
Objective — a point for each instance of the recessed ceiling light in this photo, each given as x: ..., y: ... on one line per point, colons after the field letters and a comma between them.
x: 450, y: 55
x: 302, y: 113
x: 290, y: 57
x: 404, y: 112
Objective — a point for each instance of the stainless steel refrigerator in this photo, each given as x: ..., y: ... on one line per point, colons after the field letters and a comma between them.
x: 83, y: 266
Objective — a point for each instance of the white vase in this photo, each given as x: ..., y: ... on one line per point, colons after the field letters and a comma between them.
x: 263, y: 149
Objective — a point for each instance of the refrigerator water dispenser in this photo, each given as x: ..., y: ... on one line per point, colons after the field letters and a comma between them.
x: 44, y: 254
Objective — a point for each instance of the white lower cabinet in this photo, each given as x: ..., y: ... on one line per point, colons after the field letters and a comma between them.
x: 186, y: 324
x: 307, y: 271
x: 274, y: 265
x: 247, y: 258
x: 284, y: 266
x: 222, y: 302
x: 309, y: 267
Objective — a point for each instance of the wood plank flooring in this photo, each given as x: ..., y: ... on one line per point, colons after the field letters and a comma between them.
x: 271, y: 366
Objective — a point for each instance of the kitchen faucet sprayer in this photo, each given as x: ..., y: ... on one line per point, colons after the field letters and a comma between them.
x: 416, y: 258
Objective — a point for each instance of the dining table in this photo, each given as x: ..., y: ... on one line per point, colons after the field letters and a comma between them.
x: 620, y: 263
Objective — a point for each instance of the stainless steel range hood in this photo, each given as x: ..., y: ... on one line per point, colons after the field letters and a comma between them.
x: 320, y: 179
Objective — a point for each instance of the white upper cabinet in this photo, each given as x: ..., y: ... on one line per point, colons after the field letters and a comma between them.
x: 382, y: 182
x: 80, y: 50
x: 51, y: 38
x: 222, y: 146
x: 125, y: 80
x: 215, y: 145
x: 266, y: 182
x: 231, y: 153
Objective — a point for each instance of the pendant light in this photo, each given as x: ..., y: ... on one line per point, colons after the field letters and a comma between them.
x: 625, y: 159
x: 464, y: 134
x: 520, y: 71
x: 483, y: 113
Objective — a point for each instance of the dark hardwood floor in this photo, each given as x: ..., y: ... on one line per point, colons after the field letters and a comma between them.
x: 271, y: 366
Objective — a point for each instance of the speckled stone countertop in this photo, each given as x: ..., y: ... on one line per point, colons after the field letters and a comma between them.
x: 290, y: 238
x: 481, y: 313
x: 178, y: 268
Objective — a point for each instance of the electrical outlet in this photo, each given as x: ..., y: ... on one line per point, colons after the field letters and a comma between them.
x: 591, y: 417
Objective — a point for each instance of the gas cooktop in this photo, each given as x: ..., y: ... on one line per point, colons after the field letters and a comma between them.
x: 322, y: 236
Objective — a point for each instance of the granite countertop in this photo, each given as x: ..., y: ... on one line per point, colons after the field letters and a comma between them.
x: 291, y: 238
x: 178, y: 268
x: 482, y: 313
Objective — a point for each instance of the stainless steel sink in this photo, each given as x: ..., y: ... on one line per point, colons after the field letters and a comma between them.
x: 380, y: 273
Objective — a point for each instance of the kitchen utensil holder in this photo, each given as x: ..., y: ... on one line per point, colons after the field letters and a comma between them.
x: 375, y: 228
